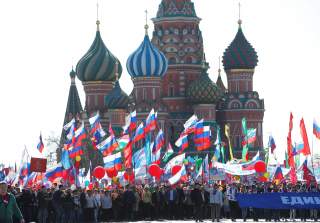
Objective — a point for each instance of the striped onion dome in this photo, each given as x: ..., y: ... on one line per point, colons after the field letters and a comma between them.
x: 240, y: 54
x: 147, y: 61
x: 98, y: 64
x: 116, y: 99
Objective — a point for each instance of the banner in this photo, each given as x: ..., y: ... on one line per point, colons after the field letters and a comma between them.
x: 280, y: 200
x: 38, y: 165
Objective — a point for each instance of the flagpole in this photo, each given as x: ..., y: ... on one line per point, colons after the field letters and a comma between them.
x: 312, y: 154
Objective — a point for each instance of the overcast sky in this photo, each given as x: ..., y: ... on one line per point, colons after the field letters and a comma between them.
x: 41, y: 40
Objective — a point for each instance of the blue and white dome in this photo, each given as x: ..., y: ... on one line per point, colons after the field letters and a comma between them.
x: 147, y: 61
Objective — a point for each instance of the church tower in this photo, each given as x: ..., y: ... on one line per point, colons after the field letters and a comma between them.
x: 177, y: 35
x: 97, y: 70
x: 239, y: 61
x: 147, y: 67
x: 74, y: 108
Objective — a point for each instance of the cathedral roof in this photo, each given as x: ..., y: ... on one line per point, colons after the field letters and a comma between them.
x: 74, y: 106
x: 116, y: 99
x: 220, y: 84
x: 240, y: 54
x: 203, y: 90
x: 175, y: 8
x: 147, y: 61
x: 98, y: 64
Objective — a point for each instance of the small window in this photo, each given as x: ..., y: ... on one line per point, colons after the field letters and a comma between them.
x: 171, y: 90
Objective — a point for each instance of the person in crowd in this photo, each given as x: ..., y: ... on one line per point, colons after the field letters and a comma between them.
x: 90, y: 206
x: 314, y: 212
x: 171, y: 197
x: 147, y: 202
x: 57, y: 204
x: 179, y: 202
x: 68, y: 207
x: 216, y: 202
x: 96, y: 196
x: 231, y: 195
x: 77, y: 206
x: 116, y: 204
x: 27, y: 200
x: 187, y: 203
x: 129, y: 201
x: 197, y: 198
x: 136, y: 204
x: 106, y: 206
x: 8, y: 206
x: 43, y: 203
x: 156, y: 201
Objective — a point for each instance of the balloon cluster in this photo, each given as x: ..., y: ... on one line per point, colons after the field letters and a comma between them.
x: 261, y: 169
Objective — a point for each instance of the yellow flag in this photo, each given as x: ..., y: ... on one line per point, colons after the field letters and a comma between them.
x: 227, y: 132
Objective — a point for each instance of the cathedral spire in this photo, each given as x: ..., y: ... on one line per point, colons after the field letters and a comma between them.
x: 239, y: 20
x: 146, y: 27
x: 98, y: 21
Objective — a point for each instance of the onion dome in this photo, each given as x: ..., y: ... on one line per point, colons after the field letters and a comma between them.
x: 98, y: 64
x: 147, y: 60
x: 240, y: 54
x: 116, y: 99
x: 174, y: 8
x: 203, y: 90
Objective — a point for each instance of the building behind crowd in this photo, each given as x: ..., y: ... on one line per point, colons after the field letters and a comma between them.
x: 169, y: 74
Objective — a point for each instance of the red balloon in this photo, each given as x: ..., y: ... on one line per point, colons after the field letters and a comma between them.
x: 111, y: 172
x: 175, y: 170
x: 128, y: 177
x: 260, y: 166
x: 90, y: 186
x: 154, y: 170
x: 262, y: 179
x: 99, y: 172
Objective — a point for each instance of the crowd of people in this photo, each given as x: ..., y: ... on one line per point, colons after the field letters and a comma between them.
x: 144, y: 202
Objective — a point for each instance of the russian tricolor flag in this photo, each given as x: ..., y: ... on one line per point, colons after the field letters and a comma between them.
x: 151, y: 122
x: 271, y: 143
x: 107, y: 146
x: 140, y: 133
x: 182, y: 143
x: 40, y: 145
x: 278, y: 176
x: 113, y: 161
x: 316, y: 129
x: 297, y: 148
x: 159, y: 142
x: 54, y: 172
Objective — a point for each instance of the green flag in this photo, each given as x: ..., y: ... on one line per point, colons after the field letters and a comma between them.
x: 244, y: 133
x: 198, y: 162
x: 122, y: 142
x: 168, y: 153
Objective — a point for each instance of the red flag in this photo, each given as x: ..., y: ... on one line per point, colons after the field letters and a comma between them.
x: 127, y: 152
x: 293, y: 176
x: 38, y: 165
x: 289, y: 143
x: 307, y: 174
x: 306, y: 147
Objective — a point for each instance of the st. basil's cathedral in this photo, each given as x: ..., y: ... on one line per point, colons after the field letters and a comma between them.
x: 169, y: 74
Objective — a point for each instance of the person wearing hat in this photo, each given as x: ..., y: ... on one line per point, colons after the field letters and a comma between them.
x: 8, y: 206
